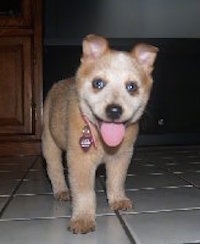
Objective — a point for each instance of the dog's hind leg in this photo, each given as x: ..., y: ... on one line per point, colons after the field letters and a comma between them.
x: 53, y: 157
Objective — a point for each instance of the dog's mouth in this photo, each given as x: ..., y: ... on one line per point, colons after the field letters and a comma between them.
x: 112, y: 132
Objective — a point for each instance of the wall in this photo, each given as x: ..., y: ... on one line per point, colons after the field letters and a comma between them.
x: 73, y: 19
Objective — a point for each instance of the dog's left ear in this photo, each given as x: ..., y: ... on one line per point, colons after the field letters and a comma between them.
x: 145, y: 55
x: 93, y: 47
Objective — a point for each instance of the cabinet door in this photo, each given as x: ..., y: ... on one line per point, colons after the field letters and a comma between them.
x: 15, y: 86
x: 15, y: 13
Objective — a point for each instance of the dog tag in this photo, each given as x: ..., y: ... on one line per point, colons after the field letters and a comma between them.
x: 86, y: 139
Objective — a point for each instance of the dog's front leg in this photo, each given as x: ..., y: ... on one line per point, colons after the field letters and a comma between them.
x: 82, y: 176
x: 116, y: 169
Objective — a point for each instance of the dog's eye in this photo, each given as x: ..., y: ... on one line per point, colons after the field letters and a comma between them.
x: 131, y: 87
x: 98, y: 83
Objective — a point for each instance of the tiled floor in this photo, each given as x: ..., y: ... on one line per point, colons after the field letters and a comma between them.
x: 163, y: 183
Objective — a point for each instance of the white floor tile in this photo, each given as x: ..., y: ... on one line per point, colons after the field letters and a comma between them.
x: 193, y: 177
x: 153, y: 181
x: 34, y: 187
x: 165, y: 199
x: 35, y: 206
x: 52, y: 231
x: 3, y: 201
x: 165, y: 227
x: 144, y: 168
x: 8, y: 186
x: 38, y: 206
x: 183, y: 167
x: 9, y: 175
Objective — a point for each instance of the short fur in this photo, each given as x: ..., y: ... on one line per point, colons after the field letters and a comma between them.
x: 71, y: 99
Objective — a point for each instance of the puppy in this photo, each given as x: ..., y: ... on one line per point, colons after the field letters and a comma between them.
x: 94, y: 118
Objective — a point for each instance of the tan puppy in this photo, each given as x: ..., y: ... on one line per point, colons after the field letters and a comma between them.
x: 94, y: 118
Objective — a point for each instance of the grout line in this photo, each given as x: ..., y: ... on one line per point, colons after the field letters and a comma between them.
x: 161, y: 187
x: 38, y: 194
x: 16, y: 188
x: 119, y: 217
x: 49, y: 217
x: 193, y: 242
x: 4, y: 195
x: 125, y: 227
x: 162, y: 211
x: 34, y: 218
x: 33, y: 194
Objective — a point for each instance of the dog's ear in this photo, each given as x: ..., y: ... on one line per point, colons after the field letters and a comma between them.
x: 145, y: 54
x: 93, y: 47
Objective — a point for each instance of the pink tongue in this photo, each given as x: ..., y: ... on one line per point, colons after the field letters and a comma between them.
x: 112, y: 133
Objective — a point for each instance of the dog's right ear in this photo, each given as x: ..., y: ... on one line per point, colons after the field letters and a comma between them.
x: 93, y: 47
x: 145, y: 54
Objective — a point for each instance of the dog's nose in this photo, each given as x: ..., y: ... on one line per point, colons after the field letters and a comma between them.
x: 114, y: 111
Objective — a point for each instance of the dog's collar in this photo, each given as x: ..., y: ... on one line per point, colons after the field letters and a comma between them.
x: 87, y: 139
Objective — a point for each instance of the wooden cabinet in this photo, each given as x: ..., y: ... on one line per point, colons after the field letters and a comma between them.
x: 20, y: 76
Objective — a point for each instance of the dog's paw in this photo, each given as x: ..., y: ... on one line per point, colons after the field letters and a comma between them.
x: 123, y: 204
x: 62, y: 196
x: 82, y: 225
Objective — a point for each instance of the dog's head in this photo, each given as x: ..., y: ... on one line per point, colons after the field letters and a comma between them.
x: 114, y: 86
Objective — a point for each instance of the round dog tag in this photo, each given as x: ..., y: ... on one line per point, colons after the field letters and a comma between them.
x: 85, y: 142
